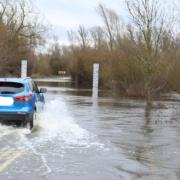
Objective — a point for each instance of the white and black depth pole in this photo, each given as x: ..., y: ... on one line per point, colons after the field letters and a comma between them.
x: 95, y: 80
x: 23, y: 68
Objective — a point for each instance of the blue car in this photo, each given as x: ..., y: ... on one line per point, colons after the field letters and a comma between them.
x: 20, y: 99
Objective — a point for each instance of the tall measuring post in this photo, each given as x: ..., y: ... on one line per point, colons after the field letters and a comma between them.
x: 23, y: 68
x: 95, y: 80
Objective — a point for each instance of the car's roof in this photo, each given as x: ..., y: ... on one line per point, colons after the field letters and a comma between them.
x: 19, y: 80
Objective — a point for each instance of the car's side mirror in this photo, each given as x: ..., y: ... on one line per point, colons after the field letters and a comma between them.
x: 43, y: 90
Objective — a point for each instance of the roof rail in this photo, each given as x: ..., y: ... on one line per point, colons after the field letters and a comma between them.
x: 26, y: 78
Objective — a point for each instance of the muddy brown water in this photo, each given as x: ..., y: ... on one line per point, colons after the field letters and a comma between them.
x: 80, y: 138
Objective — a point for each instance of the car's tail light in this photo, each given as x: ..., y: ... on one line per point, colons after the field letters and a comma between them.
x: 25, y: 98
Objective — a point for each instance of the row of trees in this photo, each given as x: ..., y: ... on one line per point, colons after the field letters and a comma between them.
x: 141, y: 58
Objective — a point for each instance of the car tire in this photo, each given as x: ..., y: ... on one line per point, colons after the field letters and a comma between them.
x: 30, y: 123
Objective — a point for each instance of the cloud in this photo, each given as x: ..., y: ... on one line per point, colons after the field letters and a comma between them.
x: 72, y: 13
x: 65, y: 15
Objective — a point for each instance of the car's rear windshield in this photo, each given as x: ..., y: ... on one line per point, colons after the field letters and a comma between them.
x: 11, y: 88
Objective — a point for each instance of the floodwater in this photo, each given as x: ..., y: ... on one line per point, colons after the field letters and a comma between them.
x: 80, y: 138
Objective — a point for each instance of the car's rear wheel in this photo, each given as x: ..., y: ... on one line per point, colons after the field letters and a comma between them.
x: 30, y: 123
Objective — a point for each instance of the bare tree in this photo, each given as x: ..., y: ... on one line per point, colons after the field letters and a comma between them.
x: 83, y: 36
x: 112, y: 24
x: 149, y: 22
x: 22, y: 32
x: 98, y: 37
x: 79, y: 37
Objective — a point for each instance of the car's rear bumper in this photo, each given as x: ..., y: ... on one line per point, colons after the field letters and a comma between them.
x: 14, y: 118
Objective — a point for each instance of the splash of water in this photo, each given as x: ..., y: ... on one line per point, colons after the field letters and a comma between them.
x: 56, y: 122
x: 54, y: 125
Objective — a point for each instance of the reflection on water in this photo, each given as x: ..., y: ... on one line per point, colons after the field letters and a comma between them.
x: 144, y: 143
x: 81, y: 138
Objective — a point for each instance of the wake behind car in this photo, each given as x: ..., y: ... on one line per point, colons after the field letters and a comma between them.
x: 20, y: 100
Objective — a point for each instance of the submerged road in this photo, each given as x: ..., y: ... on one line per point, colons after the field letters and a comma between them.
x: 76, y: 138
x: 8, y: 156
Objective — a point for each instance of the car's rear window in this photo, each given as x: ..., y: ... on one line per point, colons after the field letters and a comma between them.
x: 11, y: 88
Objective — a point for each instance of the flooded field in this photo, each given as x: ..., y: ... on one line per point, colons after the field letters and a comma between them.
x: 79, y: 138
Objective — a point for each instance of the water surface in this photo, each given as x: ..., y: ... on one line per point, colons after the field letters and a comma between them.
x: 80, y: 138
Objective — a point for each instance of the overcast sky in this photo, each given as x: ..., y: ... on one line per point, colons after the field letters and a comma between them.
x: 65, y: 15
